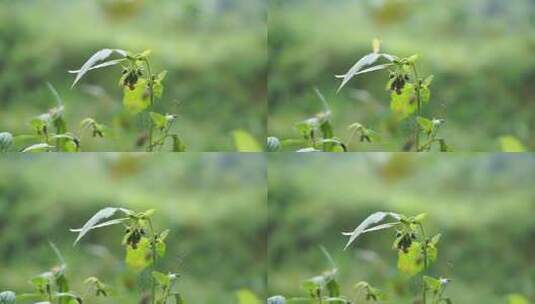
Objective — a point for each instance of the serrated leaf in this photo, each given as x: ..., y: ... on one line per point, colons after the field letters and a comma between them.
x: 98, y: 217
x: 138, y: 99
x: 369, y: 221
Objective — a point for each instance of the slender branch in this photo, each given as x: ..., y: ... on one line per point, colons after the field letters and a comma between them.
x: 418, y: 103
x: 151, y: 96
x: 154, y: 260
x: 424, y: 238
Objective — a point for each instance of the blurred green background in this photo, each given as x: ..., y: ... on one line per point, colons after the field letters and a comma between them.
x: 483, y: 204
x: 214, y: 205
x: 480, y: 51
x: 214, y: 51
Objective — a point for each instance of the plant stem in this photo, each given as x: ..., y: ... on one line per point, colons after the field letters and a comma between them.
x: 418, y: 104
x: 154, y: 260
x: 151, y: 96
x: 424, y: 244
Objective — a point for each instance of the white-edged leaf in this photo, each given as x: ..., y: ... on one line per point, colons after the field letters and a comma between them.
x: 8, y: 297
x: 105, y: 224
x: 59, y: 101
x: 37, y: 148
x: 93, y: 60
x: 102, y: 65
x: 372, y: 69
x: 369, y: 221
x: 98, y: 217
x: 362, y: 63
x: 376, y: 228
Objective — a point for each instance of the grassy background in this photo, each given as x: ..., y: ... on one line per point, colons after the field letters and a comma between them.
x: 214, y: 205
x: 481, y: 203
x: 480, y: 53
x: 213, y: 50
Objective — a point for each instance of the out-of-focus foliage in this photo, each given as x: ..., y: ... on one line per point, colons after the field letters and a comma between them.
x: 479, y: 51
x: 482, y: 204
x: 214, y: 206
x: 214, y: 51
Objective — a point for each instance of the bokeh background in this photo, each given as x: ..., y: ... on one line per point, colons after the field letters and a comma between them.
x: 479, y: 51
x: 214, y: 205
x: 483, y: 204
x: 214, y: 51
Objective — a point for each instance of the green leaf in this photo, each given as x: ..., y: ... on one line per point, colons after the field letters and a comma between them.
x: 246, y: 296
x: 8, y: 297
x: 159, y: 120
x: 245, y: 142
x: 426, y: 125
x: 517, y: 299
x: 93, y: 60
x: 427, y: 81
x: 412, y: 59
x: 432, y: 284
x: 98, y: 217
x: 359, y: 65
x: 140, y: 257
x: 138, y: 99
x: 158, y: 84
x: 6, y: 140
x: 510, y: 143
x: 178, y: 144
x: 425, y: 94
x: 41, y: 147
x: 404, y: 104
x: 162, y: 278
x: 333, y: 288
x: 369, y: 221
x: 411, y: 262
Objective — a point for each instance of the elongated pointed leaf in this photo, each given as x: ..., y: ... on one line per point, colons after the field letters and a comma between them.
x: 98, y: 66
x: 372, y: 69
x: 93, y: 60
x: 98, y: 217
x: 105, y: 224
x: 38, y: 148
x: 369, y: 221
x: 362, y: 63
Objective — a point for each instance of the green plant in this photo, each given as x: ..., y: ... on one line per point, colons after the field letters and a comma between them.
x: 141, y: 89
x: 317, y: 134
x: 51, y: 132
x: 408, y: 95
x: 144, y: 247
x: 53, y: 287
x: 416, y: 253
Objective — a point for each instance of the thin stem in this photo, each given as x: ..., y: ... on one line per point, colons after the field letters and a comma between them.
x: 154, y: 261
x: 424, y: 244
x: 418, y: 104
x: 151, y: 96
